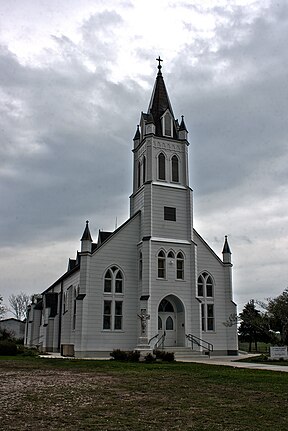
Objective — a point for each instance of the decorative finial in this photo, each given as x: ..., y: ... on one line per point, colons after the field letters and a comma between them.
x: 159, y: 65
x: 87, y: 222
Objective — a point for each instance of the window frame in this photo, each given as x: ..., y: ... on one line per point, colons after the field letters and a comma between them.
x: 210, y: 318
x: 112, y: 321
x: 105, y: 302
x: 144, y: 170
x: 118, y: 317
x: 161, y: 265
x: 175, y: 175
x: 170, y: 213
x: 180, y: 259
x: 205, y: 281
x: 161, y: 166
x: 167, y: 129
x: 138, y: 174
x: 65, y: 301
x: 140, y: 265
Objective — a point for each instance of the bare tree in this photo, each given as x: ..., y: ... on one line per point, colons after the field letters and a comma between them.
x: 19, y: 304
x: 2, y: 308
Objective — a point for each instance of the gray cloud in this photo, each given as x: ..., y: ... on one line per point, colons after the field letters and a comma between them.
x: 66, y: 129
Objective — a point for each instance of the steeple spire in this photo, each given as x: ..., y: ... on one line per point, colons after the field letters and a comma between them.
x: 86, y: 234
x: 226, y: 251
x: 160, y: 102
x: 86, y: 240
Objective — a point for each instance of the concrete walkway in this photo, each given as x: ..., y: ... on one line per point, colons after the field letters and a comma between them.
x: 231, y: 361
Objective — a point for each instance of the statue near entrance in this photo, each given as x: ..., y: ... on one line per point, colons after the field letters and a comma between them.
x: 144, y: 317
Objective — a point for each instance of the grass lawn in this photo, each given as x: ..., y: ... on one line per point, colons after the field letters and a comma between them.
x: 52, y: 394
x: 262, y: 359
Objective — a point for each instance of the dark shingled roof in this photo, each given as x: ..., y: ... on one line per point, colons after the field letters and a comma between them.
x: 71, y: 264
x: 159, y: 103
x: 103, y: 236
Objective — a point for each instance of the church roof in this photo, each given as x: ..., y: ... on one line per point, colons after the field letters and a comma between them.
x: 159, y: 102
x: 103, y: 236
x: 86, y: 234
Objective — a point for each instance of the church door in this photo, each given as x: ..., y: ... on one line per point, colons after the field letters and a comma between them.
x: 167, y: 323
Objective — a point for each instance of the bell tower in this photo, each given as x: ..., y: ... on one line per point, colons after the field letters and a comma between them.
x: 161, y: 180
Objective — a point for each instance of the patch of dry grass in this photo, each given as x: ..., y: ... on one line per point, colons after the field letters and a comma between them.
x: 93, y: 395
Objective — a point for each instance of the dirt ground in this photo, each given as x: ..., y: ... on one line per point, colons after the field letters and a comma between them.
x: 43, y: 398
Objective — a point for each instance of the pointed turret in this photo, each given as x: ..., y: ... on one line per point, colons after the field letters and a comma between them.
x: 86, y: 240
x: 183, y: 132
x: 226, y: 251
x: 137, y: 137
x: 137, y: 134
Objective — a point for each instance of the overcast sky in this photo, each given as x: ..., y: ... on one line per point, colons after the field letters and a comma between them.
x: 74, y: 77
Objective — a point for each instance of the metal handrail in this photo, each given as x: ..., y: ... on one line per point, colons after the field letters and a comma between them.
x: 155, y: 336
x: 160, y: 342
x: 199, y: 342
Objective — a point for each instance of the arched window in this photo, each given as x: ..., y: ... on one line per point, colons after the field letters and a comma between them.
x: 161, y: 264
x: 171, y: 255
x: 180, y: 266
x: 140, y: 265
x: 119, y: 282
x: 175, y: 169
x: 113, y: 301
x: 144, y: 169
x: 139, y: 175
x: 113, y: 280
x: 108, y: 282
x: 169, y: 324
x: 167, y: 124
x: 161, y: 167
x: 206, y: 291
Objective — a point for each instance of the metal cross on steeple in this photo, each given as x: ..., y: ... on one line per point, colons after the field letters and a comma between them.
x: 159, y: 60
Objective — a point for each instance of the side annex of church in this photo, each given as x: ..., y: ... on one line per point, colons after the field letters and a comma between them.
x: 154, y: 281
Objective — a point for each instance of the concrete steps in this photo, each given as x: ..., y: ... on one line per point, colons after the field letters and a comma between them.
x: 183, y: 353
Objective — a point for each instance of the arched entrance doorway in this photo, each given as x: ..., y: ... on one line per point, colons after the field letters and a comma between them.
x: 171, y: 321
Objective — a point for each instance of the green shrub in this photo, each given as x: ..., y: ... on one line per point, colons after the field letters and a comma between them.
x: 27, y: 351
x: 133, y: 356
x: 122, y: 355
x: 8, y: 348
x: 119, y: 355
x: 164, y: 356
x: 149, y: 358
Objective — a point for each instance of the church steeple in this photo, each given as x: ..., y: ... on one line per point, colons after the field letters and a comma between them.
x: 161, y: 169
x: 160, y: 108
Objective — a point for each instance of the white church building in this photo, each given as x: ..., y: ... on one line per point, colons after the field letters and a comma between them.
x: 154, y: 281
